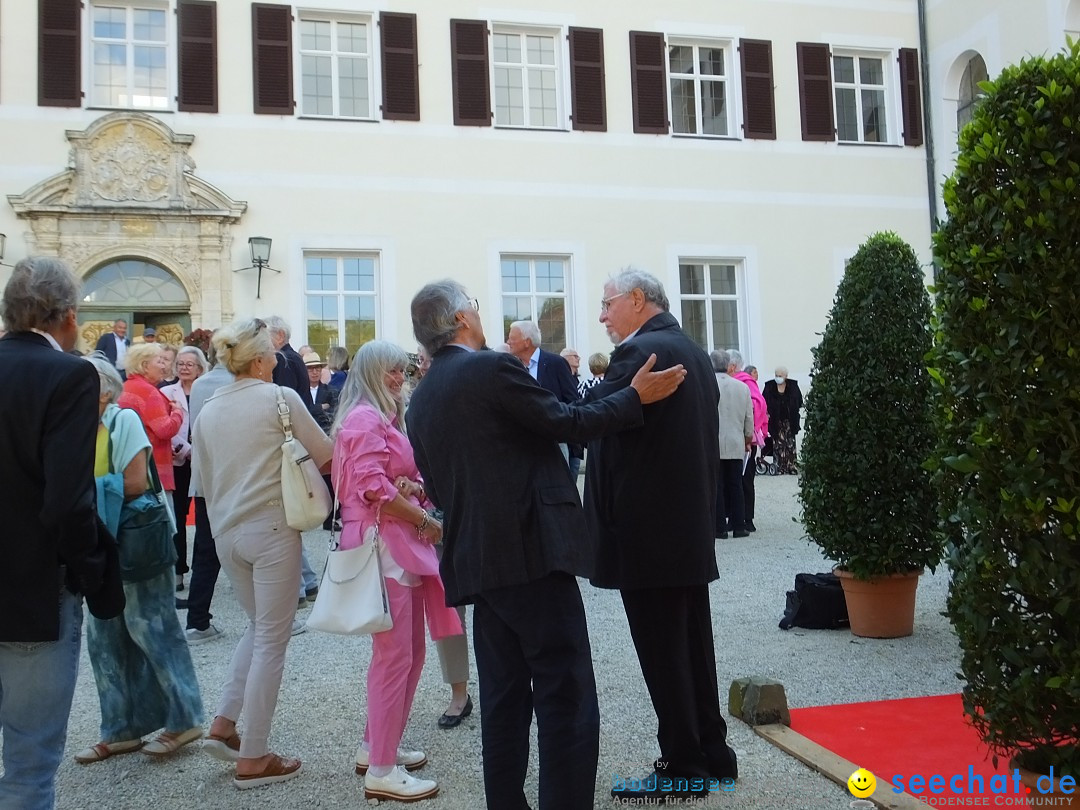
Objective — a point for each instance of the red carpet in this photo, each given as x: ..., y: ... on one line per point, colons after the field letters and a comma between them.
x: 191, y: 513
x: 898, y: 739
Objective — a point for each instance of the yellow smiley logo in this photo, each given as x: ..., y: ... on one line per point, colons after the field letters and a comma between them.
x: 862, y: 783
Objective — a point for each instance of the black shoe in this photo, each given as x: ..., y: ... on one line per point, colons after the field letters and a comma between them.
x: 728, y: 769
x: 740, y: 533
x: 181, y: 604
x: 722, y: 536
x: 750, y: 527
x: 454, y: 720
x: 659, y: 786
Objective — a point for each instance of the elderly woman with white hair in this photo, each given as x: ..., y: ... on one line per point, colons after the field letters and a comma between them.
x: 237, y: 468
x: 190, y: 365
x: 784, y: 400
x: 146, y: 366
x: 378, y: 483
x: 142, y: 666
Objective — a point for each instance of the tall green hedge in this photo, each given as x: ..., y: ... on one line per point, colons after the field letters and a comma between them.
x: 866, y: 496
x: 1007, y: 355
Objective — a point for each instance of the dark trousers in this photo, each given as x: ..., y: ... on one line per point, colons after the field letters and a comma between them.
x: 729, y: 496
x: 181, y: 503
x: 532, y: 653
x: 328, y: 524
x: 672, y: 632
x: 749, y: 495
x: 204, y: 570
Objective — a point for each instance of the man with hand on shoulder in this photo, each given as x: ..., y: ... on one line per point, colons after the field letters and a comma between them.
x: 53, y: 549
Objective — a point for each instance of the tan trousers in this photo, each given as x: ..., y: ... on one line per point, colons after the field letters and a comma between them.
x: 262, y: 560
x: 453, y: 650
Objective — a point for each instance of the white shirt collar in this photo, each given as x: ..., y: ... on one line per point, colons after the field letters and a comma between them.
x: 49, y: 338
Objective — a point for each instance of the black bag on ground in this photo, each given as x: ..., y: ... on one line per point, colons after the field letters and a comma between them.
x: 816, y: 603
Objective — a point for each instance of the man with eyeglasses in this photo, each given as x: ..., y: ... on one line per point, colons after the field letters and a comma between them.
x: 485, y: 436
x: 650, y: 504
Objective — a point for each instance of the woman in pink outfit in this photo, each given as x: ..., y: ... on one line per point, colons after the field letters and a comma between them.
x: 376, y: 479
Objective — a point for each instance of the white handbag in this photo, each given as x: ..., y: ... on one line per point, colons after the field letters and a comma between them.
x: 352, y: 595
x: 303, y: 491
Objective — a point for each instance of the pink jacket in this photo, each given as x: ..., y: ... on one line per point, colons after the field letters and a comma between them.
x: 368, y: 455
x: 161, y: 423
x: 761, y: 412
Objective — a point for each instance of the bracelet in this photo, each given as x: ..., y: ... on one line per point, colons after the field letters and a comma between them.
x: 423, y: 525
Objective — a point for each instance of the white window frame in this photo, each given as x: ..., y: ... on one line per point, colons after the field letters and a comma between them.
x: 560, y: 69
x: 170, y: 46
x: 889, y: 84
x: 374, y: 66
x: 732, y: 95
x: 533, y: 294
x: 739, y: 297
x: 340, y: 293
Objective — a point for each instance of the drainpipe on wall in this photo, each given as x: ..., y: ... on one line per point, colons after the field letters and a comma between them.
x: 931, y: 180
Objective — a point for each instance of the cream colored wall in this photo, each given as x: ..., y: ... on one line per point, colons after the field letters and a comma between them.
x: 438, y: 200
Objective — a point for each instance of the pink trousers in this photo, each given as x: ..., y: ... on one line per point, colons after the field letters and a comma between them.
x: 396, y: 661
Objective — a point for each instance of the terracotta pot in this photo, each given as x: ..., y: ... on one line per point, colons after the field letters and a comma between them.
x: 883, y: 607
x: 1030, y: 780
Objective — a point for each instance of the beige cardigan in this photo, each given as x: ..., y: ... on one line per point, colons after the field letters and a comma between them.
x: 237, y: 459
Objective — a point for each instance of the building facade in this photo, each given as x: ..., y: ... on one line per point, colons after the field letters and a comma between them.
x: 740, y: 151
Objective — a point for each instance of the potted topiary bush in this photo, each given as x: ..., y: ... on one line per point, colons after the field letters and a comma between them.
x: 1007, y: 357
x: 865, y: 492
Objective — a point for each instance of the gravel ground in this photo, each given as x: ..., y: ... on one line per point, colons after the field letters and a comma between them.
x: 320, y: 712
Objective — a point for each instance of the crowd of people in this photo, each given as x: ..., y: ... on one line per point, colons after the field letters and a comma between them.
x: 465, y: 461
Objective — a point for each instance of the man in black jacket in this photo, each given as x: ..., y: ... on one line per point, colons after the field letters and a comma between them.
x: 53, y: 549
x: 484, y: 434
x: 662, y: 560
x: 115, y: 344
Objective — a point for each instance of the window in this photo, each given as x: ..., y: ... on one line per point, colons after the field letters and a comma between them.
x: 526, y: 79
x: 129, y: 55
x: 335, y: 68
x: 534, y: 289
x: 699, y: 89
x: 860, y: 91
x: 341, y: 297
x: 970, y: 92
x: 710, y: 293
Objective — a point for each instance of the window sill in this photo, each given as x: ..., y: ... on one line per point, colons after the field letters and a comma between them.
x: 870, y: 144
x: 338, y: 118
x: 690, y: 137
x: 514, y: 127
x: 147, y: 110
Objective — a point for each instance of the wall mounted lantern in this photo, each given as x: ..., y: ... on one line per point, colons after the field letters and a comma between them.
x: 260, y: 258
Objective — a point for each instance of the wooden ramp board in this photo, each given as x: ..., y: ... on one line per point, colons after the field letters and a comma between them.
x: 832, y: 766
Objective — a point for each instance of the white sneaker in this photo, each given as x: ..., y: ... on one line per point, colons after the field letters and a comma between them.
x: 201, y: 636
x: 399, y: 785
x: 298, y: 627
x: 409, y: 760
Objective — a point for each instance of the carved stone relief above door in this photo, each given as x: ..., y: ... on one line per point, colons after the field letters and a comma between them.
x: 130, y: 191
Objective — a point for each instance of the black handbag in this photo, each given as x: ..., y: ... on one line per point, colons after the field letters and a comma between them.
x: 145, y: 534
x: 817, y: 603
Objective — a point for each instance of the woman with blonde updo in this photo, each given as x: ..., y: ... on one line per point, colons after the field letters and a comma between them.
x: 237, y: 467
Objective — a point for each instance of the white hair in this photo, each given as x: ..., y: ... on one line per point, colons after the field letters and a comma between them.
x: 529, y: 330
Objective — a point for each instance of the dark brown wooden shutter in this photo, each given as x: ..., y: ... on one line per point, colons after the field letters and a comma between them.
x: 59, y: 53
x: 648, y: 82
x: 588, y: 102
x: 472, y: 87
x: 400, y: 67
x: 271, y: 31
x: 197, y: 60
x: 910, y: 97
x: 759, y: 107
x: 815, y: 92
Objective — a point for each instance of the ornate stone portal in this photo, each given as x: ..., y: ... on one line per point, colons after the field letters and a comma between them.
x: 129, y: 191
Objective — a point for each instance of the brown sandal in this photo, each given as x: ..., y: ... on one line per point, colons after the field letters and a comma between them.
x: 278, y: 769
x: 227, y: 749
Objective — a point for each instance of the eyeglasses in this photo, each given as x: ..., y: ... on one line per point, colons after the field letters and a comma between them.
x: 260, y: 324
x: 605, y: 303
x: 185, y: 365
x: 475, y: 304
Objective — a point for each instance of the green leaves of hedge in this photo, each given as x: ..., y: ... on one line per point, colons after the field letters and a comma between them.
x: 1006, y: 357
x: 866, y: 495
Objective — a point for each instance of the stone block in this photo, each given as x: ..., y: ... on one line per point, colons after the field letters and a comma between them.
x: 759, y: 701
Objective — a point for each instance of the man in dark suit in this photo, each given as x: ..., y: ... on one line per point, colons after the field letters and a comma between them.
x: 484, y: 435
x: 290, y: 370
x: 662, y: 559
x: 115, y: 344
x: 53, y: 549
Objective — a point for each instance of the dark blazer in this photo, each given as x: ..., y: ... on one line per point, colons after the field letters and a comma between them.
x: 650, y: 493
x: 485, y: 439
x: 553, y: 374
x: 106, y: 344
x: 48, y: 431
x: 291, y: 372
x: 324, y: 396
x: 783, y: 406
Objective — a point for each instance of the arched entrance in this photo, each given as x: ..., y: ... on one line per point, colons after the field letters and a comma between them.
x: 141, y: 292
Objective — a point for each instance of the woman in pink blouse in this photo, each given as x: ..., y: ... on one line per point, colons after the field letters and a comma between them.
x: 376, y: 479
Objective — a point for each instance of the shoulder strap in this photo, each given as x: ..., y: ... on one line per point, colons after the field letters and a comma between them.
x: 283, y: 414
